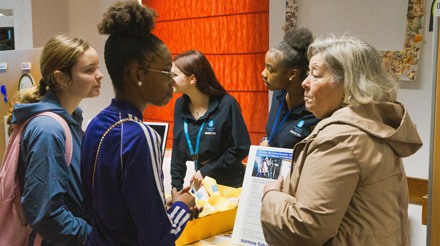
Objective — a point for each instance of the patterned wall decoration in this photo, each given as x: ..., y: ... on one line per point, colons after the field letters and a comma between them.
x: 291, y: 15
x: 402, y: 65
x: 234, y: 36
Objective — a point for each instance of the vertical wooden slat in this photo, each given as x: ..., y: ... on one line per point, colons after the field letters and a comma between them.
x: 435, y: 196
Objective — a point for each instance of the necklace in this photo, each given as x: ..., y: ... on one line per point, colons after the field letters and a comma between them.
x: 199, y: 113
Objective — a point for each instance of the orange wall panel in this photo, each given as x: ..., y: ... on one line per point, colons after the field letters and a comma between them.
x: 247, y: 33
x: 254, y: 108
x: 239, y: 72
x: 178, y: 9
x: 165, y: 113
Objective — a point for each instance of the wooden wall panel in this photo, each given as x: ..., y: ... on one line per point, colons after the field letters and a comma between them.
x: 417, y: 188
x: 435, y: 182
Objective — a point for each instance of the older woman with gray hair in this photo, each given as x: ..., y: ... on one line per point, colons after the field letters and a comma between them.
x: 347, y: 185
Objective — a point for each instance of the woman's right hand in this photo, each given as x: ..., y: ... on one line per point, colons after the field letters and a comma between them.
x: 264, y: 143
x: 183, y: 196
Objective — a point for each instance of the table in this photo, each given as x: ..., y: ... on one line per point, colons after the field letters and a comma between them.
x: 224, y: 243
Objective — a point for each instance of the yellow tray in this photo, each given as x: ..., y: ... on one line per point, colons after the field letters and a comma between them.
x: 208, y: 226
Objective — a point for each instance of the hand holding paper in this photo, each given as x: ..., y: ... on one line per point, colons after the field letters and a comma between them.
x: 196, y: 180
x: 274, y: 185
x: 213, y: 200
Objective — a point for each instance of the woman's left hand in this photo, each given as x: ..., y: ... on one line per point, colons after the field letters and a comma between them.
x: 197, y: 178
x: 276, y: 185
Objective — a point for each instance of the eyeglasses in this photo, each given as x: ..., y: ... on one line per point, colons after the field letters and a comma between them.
x: 171, y: 74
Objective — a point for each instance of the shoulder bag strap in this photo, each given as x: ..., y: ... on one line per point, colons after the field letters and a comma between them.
x: 99, y: 146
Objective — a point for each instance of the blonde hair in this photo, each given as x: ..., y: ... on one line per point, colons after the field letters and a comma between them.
x: 359, y: 66
x: 60, y: 53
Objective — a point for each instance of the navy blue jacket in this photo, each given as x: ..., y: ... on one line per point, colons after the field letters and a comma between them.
x: 127, y: 201
x: 224, y: 141
x: 51, y: 191
x: 298, y: 125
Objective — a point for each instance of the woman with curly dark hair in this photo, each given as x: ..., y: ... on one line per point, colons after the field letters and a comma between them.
x: 121, y: 159
x: 208, y: 126
x: 286, y: 67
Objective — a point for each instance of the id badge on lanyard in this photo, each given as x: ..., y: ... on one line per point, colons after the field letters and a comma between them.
x: 194, y: 154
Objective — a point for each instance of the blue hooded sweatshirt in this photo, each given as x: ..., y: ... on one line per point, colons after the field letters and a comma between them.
x: 51, y: 191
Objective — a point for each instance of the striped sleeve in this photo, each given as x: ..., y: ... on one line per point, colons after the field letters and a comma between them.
x: 179, y: 216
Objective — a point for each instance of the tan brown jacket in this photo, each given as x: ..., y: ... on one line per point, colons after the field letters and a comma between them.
x: 347, y: 184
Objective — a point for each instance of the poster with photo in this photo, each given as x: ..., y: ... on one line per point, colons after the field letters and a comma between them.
x: 265, y: 164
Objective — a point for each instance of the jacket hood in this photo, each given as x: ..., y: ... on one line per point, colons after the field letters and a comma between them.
x: 50, y: 102
x: 385, y: 120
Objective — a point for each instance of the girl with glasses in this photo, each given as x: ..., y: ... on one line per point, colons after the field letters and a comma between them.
x: 121, y: 159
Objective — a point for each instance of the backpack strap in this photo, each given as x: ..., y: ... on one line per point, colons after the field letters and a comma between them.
x: 67, y: 155
x: 69, y: 143
x: 62, y: 122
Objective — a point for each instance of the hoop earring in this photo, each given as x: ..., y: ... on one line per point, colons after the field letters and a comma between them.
x: 139, y: 83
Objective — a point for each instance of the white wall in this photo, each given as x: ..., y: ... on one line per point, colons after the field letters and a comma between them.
x: 49, y: 17
x: 84, y: 16
x: 381, y: 23
x: 6, y: 21
x: 22, y: 11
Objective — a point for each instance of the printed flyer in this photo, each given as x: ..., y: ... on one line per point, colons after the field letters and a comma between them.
x: 265, y: 164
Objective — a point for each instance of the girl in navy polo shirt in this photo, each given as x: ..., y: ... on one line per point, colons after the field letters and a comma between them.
x: 208, y: 126
x: 286, y: 67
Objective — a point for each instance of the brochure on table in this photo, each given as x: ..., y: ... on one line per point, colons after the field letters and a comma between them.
x: 265, y: 164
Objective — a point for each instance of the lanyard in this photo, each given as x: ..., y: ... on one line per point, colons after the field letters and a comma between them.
x: 272, y: 133
x: 194, y: 154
